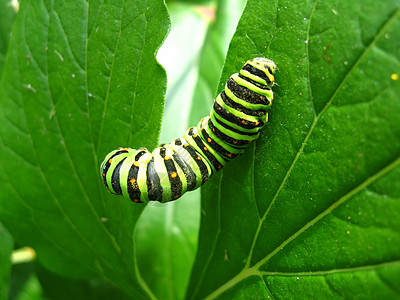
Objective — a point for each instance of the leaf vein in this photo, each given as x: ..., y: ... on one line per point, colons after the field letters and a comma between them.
x: 373, y: 267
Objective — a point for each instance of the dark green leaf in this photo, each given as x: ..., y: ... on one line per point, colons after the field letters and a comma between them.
x: 6, y: 247
x: 24, y: 283
x: 7, y: 16
x: 62, y: 288
x: 312, y: 209
x: 75, y: 86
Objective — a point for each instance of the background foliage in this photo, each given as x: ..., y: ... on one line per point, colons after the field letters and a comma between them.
x: 310, y: 211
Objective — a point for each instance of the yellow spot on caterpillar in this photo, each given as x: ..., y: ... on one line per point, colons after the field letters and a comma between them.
x: 209, y: 140
x: 394, y: 76
x: 167, y: 158
x: 136, y: 200
x: 176, y: 197
x: 136, y: 164
x: 243, y: 122
x: 174, y: 174
x: 205, y: 148
x: 110, y: 160
x: 195, y: 135
x: 213, y: 129
x: 104, y: 174
x: 198, y: 158
x: 256, y: 123
x: 229, y: 154
x: 219, y: 167
x: 133, y: 180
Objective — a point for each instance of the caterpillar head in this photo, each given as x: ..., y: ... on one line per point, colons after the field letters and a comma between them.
x: 261, y: 70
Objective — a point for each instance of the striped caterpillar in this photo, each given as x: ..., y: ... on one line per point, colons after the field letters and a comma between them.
x: 236, y: 118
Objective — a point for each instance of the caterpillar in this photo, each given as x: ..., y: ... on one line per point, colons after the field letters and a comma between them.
x: 236, y: 118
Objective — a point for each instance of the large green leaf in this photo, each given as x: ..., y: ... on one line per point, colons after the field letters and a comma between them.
x: 80, y: 80
x: 312, y: 209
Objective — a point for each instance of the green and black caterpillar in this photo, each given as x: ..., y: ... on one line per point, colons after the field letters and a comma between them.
x: 236, y: 118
